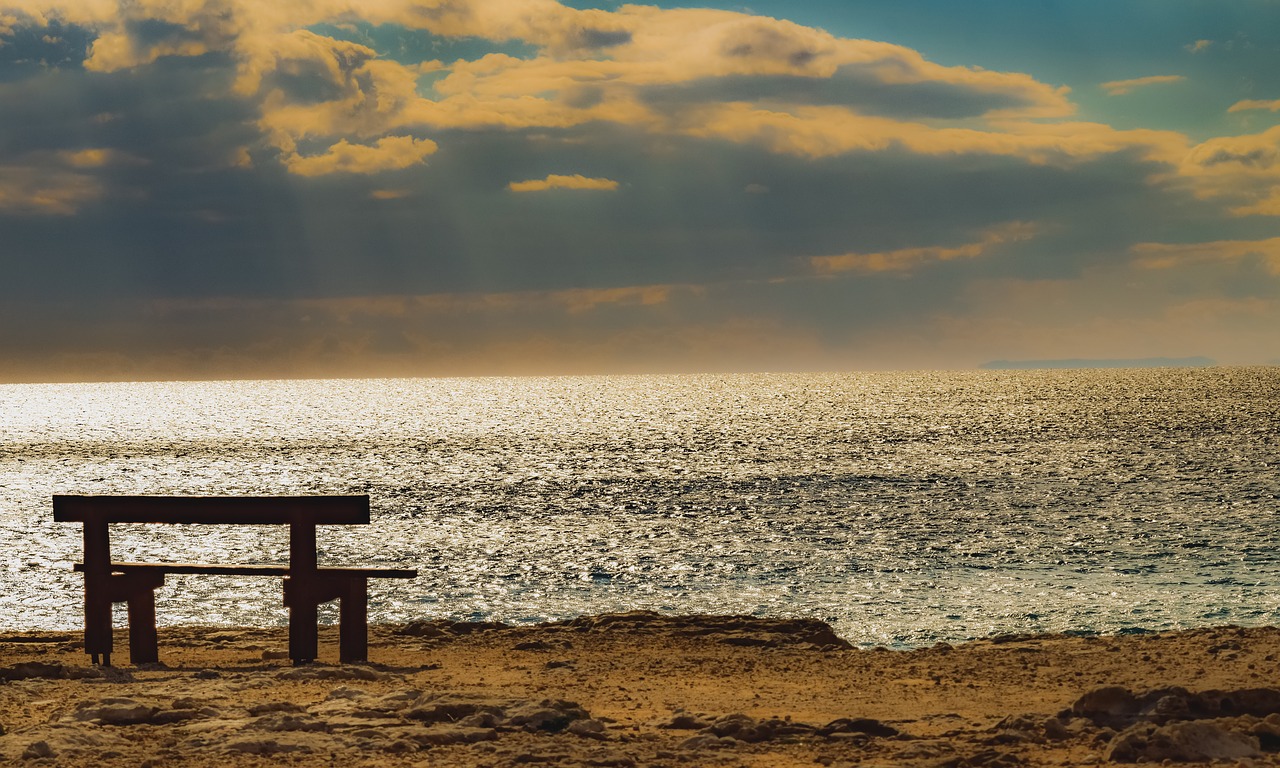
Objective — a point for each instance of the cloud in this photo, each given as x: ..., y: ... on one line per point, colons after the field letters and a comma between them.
x: 97, y: 157
x: 1171, y: 255
x: 554, y: 181
x: 56, y: 183
x: 1243, y: 170
x: 387, y: 154
x: 679, y: 63
x: 906, y: 259
x: 1199, y: 46
x: 819, y: 132
x: 545, y: 23
x: 142, y: 31
x: 1123, y: 87
x: 40, y: 191
x: 592, y: 67
x: 39, y: 44
x: 581, y: 301
x: 1240, y: 106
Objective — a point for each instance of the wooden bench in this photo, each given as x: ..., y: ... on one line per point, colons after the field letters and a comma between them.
x: 306, y: 584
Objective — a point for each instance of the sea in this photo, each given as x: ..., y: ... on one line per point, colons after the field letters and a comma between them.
x: 904, y: 508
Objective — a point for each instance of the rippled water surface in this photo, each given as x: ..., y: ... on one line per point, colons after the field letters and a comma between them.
x: 904, y: 508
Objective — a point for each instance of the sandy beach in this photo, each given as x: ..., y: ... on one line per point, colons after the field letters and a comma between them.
x: 637, y: 689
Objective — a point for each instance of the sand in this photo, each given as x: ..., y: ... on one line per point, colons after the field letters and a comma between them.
x: 637, y: 689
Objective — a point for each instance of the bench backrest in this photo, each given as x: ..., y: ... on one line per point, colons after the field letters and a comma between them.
x: 231, y: 510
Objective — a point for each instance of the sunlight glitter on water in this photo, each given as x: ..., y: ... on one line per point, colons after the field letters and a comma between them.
x: 904, y: 508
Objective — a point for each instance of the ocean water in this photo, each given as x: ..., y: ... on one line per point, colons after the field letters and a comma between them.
x: 904, y: 508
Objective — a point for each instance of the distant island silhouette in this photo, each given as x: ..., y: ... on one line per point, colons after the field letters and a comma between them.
x: 1140, y: 362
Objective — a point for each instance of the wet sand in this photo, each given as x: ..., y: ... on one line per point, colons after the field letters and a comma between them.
x: 638, y: 689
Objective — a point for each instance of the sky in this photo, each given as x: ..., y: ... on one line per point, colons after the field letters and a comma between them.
x: 315, y: 188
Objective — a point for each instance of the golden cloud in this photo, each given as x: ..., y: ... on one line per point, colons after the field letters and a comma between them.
x: 1267, y: 205
x: 97, y: 157
x: 1244, y: 169
x: 1231, y: 154
x: 1123, y: 87
x: 609, y: 53
x: 390, y: 194
x: 57, y: 182
x: 347, y: 309
x: 592, y: 66
x: 185, y: 28
x: 555, y: 181
x: 818, y: 132
x: 40, y: 190
x: 584, y: 300
x: 906, y: 259
x: 1241, y: 106
x: 1169, y: 255
x: 636, y: 44
x: 387, y: 154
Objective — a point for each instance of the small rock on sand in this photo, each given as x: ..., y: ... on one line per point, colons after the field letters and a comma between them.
x: 684, y: 721
x: 37, y: 750
x: 116, y: 711
x: 703, y: 741
x: 1183, y: 741
x: 588, y: 729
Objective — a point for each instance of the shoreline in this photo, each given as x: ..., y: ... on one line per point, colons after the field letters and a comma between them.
x: 639, y: 689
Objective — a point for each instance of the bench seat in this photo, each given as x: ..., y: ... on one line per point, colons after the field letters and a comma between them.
x: 216, y: 569
x: 203, y: 568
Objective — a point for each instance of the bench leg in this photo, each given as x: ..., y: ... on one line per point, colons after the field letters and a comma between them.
x: 353, y: 621
x: 304, y: 634
x: 97, y: 591
x: 143, y: 641
x: 97, y: 624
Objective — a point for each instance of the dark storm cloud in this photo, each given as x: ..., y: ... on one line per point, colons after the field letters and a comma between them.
x: 29, y: 49
x: 261, y: 232
x: 175, y: 115
x: 306, y: 82
x: 150, y: 33
x: 694, y: 220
